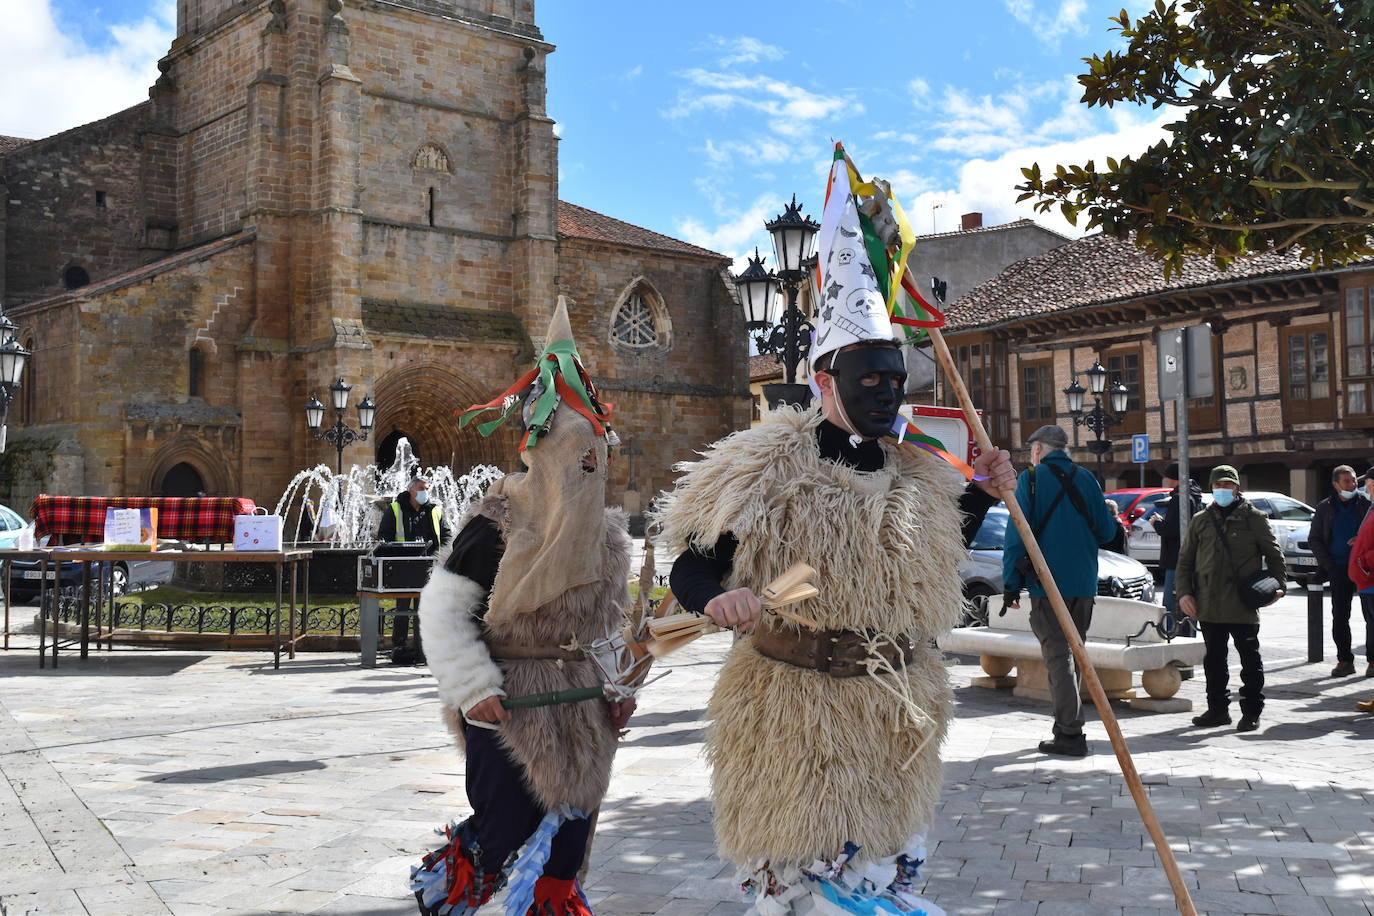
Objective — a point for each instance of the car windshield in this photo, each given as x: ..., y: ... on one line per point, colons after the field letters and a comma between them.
x: 993, y: 532
x: 1290, y: 510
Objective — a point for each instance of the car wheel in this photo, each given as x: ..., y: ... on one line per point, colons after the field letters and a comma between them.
x: 976, y: 614
x: 119, y: 579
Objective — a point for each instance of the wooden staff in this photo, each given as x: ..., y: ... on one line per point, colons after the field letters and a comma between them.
x: 1061, y: 611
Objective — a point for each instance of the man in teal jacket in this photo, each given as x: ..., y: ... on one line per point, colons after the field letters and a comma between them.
x: 1070, y: 518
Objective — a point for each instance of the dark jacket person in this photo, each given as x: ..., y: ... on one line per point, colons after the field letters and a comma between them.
x: 1334, y: 527
x: 1208, y: 586
x: 411, y: 516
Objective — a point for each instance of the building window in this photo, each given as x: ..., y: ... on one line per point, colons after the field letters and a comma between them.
x: 640, y: 321
x: 100, y: 200
x: 1307, y: 374
x: 983, y: 366
x: 431, y: 206
x: 1359, y: 374
x: 75, y: 277
x: 195, y: 383
x: 1037, y: 395
x: 1124, y: 366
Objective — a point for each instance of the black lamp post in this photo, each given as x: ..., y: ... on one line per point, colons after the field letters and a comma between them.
x: 13, y: 359
x: 1098, y: 420
x: 340, y: 435
x: 786, y: 336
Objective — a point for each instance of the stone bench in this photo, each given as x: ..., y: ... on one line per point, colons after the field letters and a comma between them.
x: 1116, y: 646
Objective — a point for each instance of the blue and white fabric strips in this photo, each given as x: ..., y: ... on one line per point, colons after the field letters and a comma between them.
x: 529, y: 866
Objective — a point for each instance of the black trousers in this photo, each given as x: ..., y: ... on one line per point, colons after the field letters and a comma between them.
x: 504, y: 813
x: 400, y: 626
x: 1342, y: 591
x: 1216, y: 637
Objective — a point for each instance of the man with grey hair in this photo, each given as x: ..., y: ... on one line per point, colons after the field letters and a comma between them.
x: 1334, y: 526
x: 1070, y: 518
x: 411, y: 516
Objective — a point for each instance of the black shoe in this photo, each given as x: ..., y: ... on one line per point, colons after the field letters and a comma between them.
x: 1066, y: 746
x: 1343, y: 669
x: 1212, y: 718
x: 1247, y: 723
x: 419, y: 659
x: 1369, y: 671
x: 403, y: 655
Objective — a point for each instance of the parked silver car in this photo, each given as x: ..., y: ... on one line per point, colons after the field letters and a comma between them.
x: 1289, y: 518
x: 1117, y: 575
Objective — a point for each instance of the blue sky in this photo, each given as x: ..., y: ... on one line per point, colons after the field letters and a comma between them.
x: 700, y: 119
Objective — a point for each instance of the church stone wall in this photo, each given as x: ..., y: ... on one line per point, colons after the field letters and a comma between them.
x: 436, y: 268
x: 53, y: 217
x: 669, y: 402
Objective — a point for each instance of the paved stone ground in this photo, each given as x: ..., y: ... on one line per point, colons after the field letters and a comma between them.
x: 189, y: 783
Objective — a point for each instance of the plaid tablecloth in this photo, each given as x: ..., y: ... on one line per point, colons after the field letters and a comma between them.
x: 81, y: 519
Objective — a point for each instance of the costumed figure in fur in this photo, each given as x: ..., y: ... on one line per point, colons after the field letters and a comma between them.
x: 538, y: 573
x: 825, y: 745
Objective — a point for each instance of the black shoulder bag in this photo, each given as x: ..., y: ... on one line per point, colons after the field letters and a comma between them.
x: 1257, y: 589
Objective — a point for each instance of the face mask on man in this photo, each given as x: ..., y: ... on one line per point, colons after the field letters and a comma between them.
x: 1347, y: 494
x: 1224, y: 496
x: 422, y: 497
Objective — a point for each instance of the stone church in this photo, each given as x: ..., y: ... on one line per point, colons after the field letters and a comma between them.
x: 326, y: 188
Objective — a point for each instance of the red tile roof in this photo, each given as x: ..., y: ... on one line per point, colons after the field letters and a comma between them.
x: 762, y: 368
x: 576, y: 222
x: 10, y: 144
x: 1097, y: 270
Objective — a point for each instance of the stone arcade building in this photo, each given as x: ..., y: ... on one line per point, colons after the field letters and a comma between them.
x: 316, y: 188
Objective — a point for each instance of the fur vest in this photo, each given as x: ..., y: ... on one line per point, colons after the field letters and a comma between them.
x: 565, y: 750
x: 801, y: 762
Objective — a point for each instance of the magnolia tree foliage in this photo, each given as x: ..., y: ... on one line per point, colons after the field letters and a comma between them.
x: 1275, y: 145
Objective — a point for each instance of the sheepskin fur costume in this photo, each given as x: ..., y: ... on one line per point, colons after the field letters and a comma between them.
x: 802, y: 762
x: 565, y: 750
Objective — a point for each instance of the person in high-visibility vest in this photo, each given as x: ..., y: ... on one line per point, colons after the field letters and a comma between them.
x: 411, y: 517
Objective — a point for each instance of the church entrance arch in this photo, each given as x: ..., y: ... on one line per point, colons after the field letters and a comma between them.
x: 187, y: 467
x: 420, y: 401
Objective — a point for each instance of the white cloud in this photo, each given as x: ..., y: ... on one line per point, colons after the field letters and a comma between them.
x: 737, y: 232
x: 920, y: 92
x: 743, y: 50
x: 1068, y: 17
x: 790, y: 106
x: 988, y: 185
x: 634, y: 72
x: 54, y: 81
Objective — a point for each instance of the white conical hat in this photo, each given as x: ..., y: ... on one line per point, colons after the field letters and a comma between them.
x: 849, y: 307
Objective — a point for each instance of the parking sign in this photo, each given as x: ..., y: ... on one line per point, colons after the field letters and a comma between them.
x: 1140, y: 448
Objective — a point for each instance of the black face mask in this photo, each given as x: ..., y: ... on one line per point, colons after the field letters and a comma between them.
x: 869, y: 382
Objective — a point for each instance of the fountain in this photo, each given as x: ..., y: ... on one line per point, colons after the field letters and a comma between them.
x: 337, y: 516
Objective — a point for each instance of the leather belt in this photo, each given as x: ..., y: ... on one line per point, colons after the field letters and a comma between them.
x: 838, y: 653
x: 510, y: 651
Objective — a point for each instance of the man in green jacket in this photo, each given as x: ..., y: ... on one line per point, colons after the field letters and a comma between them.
x: 1207, y: 583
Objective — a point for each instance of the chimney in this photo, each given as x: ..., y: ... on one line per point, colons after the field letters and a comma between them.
x: 970, y: 221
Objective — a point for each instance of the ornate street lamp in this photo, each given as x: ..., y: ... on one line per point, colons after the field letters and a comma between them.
x: 340, y: 435
x: 13, y: 359
x: 786, y: 335
x: 1098, y: 419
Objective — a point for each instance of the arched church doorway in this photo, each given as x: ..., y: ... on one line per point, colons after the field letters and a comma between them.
x: 182, y: 480
x: 420, y: 401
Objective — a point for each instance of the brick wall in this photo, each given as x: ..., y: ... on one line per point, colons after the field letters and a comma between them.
x: 53, y: 218
x: 669, y: 401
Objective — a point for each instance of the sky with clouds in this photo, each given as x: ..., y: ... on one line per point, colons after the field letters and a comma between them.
x: 700, y: 119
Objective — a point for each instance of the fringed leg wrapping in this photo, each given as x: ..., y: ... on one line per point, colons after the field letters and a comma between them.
x: 847, y: 885
x: 447, y: 882
x: 556, y: 897
x: 525, y: 874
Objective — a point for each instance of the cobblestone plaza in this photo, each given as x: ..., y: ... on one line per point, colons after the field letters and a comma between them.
x: 199, y: 783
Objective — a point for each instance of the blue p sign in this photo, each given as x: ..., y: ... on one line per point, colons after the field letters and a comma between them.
x: 1140, y: 448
